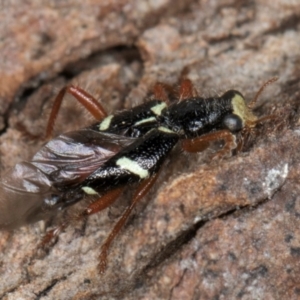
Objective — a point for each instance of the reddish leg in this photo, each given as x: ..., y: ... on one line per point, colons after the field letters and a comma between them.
x: 202, y: 142
x: 51, y: 236
x: 186, y: 90
x: 249, y: 130
x: 103, y: 202
x: 160, y: 91
x: 266, y: 118
x: 98, y: 205
x: 87, y: 100
x: 142, y: 190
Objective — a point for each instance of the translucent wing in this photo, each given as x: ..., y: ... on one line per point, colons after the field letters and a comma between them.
x: 69, y: 158
x: 27, y: 192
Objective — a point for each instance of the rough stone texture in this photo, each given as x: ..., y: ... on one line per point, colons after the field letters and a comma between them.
x: 252, y: 252
x: 38, y: 39
x: 210, y: 230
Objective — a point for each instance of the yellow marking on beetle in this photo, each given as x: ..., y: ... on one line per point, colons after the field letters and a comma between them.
x: 88, y: 190
x: 105, y: 123
x: 145, y: 121
x: 164, y: 129
x: 158, y: 108
x: 132, y: 166
x: 240, y: 109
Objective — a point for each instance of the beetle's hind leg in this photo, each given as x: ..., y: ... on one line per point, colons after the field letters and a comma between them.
x: 51, y: 236
x: 103, y: 202
x: 83, y: 97
x: 107, y: 200
x: 141, y: 191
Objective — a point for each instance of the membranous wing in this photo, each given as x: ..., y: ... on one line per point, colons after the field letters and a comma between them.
x: 28, y: 191
x: 70, y: 158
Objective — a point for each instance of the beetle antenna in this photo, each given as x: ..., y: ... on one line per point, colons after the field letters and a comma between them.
x: 253, y: 101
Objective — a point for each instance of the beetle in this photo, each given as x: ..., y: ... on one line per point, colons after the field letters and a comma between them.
x: 127, y: 148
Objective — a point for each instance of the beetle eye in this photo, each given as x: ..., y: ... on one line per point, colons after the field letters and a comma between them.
x: 233, y: 122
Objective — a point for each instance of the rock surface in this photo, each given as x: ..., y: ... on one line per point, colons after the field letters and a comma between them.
x: 225, y: 229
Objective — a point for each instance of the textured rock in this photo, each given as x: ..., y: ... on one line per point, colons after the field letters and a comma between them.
x: 209, y: 229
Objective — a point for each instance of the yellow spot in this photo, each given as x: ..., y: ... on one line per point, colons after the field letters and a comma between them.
x: 105, y: 123
x: 145, y: 121
x: 164, y: 129
x: 158, y: 108
x: 132, y: 166
x: 88, y: 190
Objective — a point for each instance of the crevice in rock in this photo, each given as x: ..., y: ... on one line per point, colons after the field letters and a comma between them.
x: 71, y: 70
x: 48, y: 288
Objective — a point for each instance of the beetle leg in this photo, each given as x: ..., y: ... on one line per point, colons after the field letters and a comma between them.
x: 103, y: 202
x: 142, y: 190
x: 186, y: 90
x: 266, y: 118
x: 83, y: 97
x: 162, y: 91
x: 51, y: 236
x: 202, y: 142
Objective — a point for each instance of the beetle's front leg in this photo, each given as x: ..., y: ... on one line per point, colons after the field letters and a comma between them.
x: 202, y: 142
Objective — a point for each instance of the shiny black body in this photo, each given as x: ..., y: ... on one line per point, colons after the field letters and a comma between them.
x: 196, y: 116
x: 123, y: 123
x: 182, y: 120
x: 149, y: 152
x: 122, y: 149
